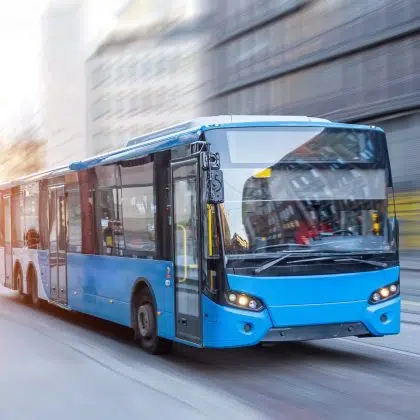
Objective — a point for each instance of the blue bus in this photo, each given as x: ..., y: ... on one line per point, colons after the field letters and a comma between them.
x: 220, y: 232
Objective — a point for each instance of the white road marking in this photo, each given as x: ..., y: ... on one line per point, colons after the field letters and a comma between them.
x: 410, y: 302
x: 379, y: 347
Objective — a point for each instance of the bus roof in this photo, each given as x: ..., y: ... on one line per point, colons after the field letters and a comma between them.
x: 178, y: 134
x: 61, y: 170
x: 171, y: 137
x: 200, y: 123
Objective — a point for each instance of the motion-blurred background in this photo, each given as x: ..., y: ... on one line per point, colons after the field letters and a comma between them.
x: 80, y: 77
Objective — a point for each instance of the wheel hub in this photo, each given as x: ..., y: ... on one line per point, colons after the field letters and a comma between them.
x: 145, y: 320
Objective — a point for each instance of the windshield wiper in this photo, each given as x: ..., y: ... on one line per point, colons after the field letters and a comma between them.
x: 371, y: 262
x: 338, y: 259
x: 282, y: 246
x: 271, y: 263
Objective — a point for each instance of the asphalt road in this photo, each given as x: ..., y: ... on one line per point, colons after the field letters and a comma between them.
x: 410, y: 285
x: 59, y: 365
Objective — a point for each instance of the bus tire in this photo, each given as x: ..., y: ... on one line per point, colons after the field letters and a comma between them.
x: 145, y: 326
x: 19, y: 284
x: 33, y: 282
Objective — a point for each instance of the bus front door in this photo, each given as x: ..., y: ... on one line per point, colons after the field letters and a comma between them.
x: 57, y: 222
x: 8, y: 257
x: 186, y: 250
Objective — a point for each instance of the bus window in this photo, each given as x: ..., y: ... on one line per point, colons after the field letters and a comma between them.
x: 74, y: 219
x: 107, y: 176
x: 108, y: 219
x: 43, y: 215
x: 138, y: 208
x: 1, y: 222
x: 31, y: 216
x: 17, y: 219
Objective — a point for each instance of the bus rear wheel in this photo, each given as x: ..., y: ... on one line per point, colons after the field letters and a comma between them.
x: 19, y: 285
x: 35, y: 300
x: 145, y: 326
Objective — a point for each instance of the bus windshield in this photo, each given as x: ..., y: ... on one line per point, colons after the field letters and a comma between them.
x: 290, y: 189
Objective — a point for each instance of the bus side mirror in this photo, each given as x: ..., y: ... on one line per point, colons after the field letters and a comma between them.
x: 216, y: 193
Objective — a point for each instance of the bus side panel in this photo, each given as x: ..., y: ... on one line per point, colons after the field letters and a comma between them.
x: 2, y: 266
x: 25, y: 257
x: 102, y: 286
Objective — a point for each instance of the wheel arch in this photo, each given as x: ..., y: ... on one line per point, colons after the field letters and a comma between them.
x: 140, y: 285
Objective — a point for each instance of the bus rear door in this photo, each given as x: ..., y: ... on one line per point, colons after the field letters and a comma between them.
x: 8, y: 257
x: 57, y: 221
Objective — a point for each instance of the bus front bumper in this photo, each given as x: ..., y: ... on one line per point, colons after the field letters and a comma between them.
x: 230, y: 327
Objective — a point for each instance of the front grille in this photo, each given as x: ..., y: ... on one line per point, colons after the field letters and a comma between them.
x: 315, y: 332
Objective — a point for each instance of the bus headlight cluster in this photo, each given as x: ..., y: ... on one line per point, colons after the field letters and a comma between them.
x: 243, y: 301
x: 385, y: 293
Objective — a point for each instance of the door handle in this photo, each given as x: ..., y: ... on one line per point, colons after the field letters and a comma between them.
x: 183, y: 321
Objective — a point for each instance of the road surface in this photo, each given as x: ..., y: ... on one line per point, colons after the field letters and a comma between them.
x: 410, y: 285
x: 60, y: 365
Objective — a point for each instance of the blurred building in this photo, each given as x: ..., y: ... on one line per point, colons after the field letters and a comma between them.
x: 63, y: 88
x: 22, y: 157
x: 350, y: 61
x: 146, y: 74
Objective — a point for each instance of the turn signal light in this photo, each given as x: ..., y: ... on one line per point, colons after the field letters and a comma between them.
x: 243, y: 301
x: 385, y: 293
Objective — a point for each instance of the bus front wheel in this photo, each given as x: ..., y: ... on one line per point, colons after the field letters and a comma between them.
x: 145, y: 326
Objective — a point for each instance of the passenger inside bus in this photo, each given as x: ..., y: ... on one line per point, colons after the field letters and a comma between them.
x: 32, y: 238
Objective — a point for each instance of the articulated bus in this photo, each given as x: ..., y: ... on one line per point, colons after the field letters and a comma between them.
x: 220, y: 232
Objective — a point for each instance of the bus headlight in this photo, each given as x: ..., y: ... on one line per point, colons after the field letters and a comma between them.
x: 385, y: 293
x: 243, y: 301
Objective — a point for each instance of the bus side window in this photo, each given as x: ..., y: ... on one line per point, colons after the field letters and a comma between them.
x: 108, y: 210
x: 43, y: 215
x: 139, y: 220
x: 74, y: 212
x: 139, y: 208
x: 31, y: 217
x: 2, y: 221
x: 108, y: 216
x: 17, y: 231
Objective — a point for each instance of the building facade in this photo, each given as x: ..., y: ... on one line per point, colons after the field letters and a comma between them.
x: 147, y: 74
x: 22, y: 157
x: 140, y: 83
x: 63, y: 90
x: 350, y: 61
